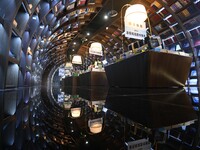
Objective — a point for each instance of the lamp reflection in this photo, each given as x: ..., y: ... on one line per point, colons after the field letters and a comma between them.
x: 67, y: 105
x: 76, y: 112
x: 95, y: 125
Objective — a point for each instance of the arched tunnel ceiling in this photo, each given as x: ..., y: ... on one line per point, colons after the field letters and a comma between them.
x: 59, y: 28
x: 70, y: 31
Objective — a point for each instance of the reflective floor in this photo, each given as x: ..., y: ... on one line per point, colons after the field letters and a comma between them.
x: 99, y: 118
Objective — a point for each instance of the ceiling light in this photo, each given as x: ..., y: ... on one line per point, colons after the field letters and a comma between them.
x: 112, y: 13
x: 88, y: 34
x: 34, y: 17
x: 106, y: 17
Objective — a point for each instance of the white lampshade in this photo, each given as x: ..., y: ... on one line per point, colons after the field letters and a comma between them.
x: 67, y: 105
x: 136, y: 13
x: 68, y: 65
x: 77, y: 60
x: 95, y: 125
x: 76, y: 112
x: 96, y: 49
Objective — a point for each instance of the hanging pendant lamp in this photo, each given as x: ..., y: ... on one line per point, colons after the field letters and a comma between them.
x: 136, y: 13
x: 77, y: 60
x: 96, y: 49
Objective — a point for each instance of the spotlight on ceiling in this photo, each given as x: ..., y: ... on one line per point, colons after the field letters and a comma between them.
x: 112, y: 13
x: 106, y: 17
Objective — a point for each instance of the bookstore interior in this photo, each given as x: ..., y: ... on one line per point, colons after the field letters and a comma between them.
x: 100, y: 74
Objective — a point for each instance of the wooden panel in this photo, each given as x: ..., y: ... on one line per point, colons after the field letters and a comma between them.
x: 93, y: 79
x: 71, y: 81
x: 167, y: 70
x: 150, y: 69
x: 131, y: 72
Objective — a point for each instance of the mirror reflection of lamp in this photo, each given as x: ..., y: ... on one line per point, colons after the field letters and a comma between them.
x: 68, y: 65
x: 76, y: 112
x: 67, y: 104
x: 95, y: 125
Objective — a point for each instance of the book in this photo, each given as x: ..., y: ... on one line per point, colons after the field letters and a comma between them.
x: 176, y: 7
x: 71, y: 6
x: 184, y: 2
x: 194, y: 33
x: 156, y: 18
x: 91, y: 1
x: 171, y: 20
x: 185, y: 13
x: 156, y: 6
x: 198, y: 5
x: 176, y: 27
x: 81, y: 2
x: 180, y: 36
x: 191, y: 9
x: 169, y: 2
x: 164, y: 13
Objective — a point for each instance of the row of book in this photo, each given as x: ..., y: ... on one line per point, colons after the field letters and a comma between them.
x: 171, y: 2
x: 189, y: 11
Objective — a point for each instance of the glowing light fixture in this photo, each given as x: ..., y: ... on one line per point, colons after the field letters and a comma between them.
x: 106, y: 17
x: 76, y: 112
x: 77, y: 60
x: 95, y: 125
x: 96, y: 49
x: 67, y: 105
x: 136, y: 12
x: 68, y: 65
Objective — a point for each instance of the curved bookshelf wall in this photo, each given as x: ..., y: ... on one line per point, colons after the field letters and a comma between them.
x: 4, y: 46
x: 27, y: 26
x: 15, y: 47
x: 12, y: 75
x: 11, y: 9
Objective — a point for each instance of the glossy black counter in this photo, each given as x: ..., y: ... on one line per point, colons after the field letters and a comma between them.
x: 93, y: 78
x: 152, y: 108
x: 149, y: 69
x: 32, y: 119
x: 71, y: 81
